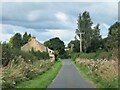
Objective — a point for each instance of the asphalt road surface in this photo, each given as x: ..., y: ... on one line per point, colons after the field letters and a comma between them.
x: 69, y: 77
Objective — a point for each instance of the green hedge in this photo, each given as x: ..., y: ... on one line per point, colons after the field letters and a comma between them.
x: 95, y: 55
x: 9, y: 54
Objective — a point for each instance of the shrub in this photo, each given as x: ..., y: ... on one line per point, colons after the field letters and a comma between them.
x: 40, y: 55
x: 101, y: 71
x: 96, y: 55
x: 16, y: 74
x: 65, y: 55
x: 74, y: 55
x: 6, y: 54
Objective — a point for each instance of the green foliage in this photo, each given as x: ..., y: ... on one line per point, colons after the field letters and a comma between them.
x: 74, y: 56
x: 99, y: 82
x: 17, y: 40
x: 26, y: 55
x: 112, y: 41
x: 114, y: 34
x: 42, y: 81
x: 40, y: 55
x: 95, y: 55
x: 95, y: 40
x: 26, y: 38
x: 76, y: 45
x: 84, y: 26
x: 6, y: 54
x: 56, y: 44
x: 91, y: 38
x: 105, y: 44
x: 11, y: 42
x: 65, y: 55
x: 9, y: 54
x: 16, y: 74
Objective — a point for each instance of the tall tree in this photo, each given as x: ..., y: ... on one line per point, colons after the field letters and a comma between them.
x: 114, y: 35
x: 84, y: 27
x: 17, y: 40
x: 95, y: 39
x: 112, y: 41
x: 26, y: 38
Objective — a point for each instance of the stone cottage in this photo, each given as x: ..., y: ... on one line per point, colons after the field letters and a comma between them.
x: 37, y: 46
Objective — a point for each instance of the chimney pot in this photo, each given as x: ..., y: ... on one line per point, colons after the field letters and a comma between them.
x: 33, y: 37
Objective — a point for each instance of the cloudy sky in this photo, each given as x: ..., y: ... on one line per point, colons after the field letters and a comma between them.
x: 46, y: 20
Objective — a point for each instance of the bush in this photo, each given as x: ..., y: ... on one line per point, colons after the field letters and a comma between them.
x: 65, y: 55
x: 6, y: 54
x: 75, y: 55
x: 95, y: 55
x: 40, y: 55
x: 16, y: 74
x: 9, y: 54
x: 26, y: 55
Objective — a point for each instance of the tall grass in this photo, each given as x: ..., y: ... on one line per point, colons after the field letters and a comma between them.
x: 101, y: 67
x: 42, y: 81
x: 97, y: 79
x: 19, y: 71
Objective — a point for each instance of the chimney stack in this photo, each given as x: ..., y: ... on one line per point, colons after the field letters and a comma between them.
x: 33, y: 38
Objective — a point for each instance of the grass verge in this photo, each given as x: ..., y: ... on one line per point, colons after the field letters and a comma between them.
x: 98, y: 81
x: 42, y: 81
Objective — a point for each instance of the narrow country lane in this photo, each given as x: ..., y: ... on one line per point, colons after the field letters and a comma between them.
x: 69, y: 77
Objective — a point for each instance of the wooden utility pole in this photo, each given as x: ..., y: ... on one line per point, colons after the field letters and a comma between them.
x: 81, y: 41
x: 72, y: 45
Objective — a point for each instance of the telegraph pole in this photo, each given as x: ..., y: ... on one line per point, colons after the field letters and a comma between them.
x: 72, y: 45
x: 81, y: 41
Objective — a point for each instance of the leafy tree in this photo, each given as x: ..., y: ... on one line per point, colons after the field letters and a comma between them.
x: 56, y: 44
x: 26, y: 38
x: 56, y: 54
x: 6, y: 54
x: 95, y: 39
x: 114, y: 35
x: 112, y: 40
x: 11, y: 42
x: 17, y: 40
x: 84, y: 27
x: 105, y: 44
x: 75, y: 44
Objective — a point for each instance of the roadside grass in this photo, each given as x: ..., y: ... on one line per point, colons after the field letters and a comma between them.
x: 97, y: 80
x: 42, y: 81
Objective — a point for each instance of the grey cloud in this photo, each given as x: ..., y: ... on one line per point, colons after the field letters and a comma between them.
x: 17, y: 14
x: 39, y: 25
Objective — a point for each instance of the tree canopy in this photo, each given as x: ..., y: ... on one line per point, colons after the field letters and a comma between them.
x: 18, y: 40
x: 26, y: 38
x: 56, y: 44
x: 74, y: 45
x: 89, y: 37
